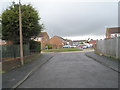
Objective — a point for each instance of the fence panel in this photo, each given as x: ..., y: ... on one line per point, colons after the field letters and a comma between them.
x: 26, y: 50
x: 119, y: 47
x: 108, y: 46
x: 13, y: 51
x: 7, y: 51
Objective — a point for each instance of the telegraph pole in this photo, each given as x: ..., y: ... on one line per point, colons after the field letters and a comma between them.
x: 21, y: 39
x: 117, y: 47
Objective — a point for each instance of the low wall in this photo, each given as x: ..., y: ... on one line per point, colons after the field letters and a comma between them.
x: 109, y: 47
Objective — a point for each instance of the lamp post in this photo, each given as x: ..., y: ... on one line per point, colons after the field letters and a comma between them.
x: 21, y: 39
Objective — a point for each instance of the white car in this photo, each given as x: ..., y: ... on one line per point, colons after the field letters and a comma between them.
x: 73, y: 46
x: 84, y: 47
x: 89, y: 45
x: 67, y: 46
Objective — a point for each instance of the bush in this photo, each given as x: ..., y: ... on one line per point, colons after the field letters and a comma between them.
x: 49, y: 46
x: 35, y: 46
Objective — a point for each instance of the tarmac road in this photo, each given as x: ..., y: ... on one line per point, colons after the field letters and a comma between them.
x: 72, y: 70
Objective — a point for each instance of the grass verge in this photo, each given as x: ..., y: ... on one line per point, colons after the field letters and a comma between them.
x: 62, y: 50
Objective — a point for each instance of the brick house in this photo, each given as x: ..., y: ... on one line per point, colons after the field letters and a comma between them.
x: 2, y: 42
x: 57, y: 42
x: 78, y: 42
x: 113, y: 32
x: 92, y: 42
x: 43, y: 38
x: 68, y: 42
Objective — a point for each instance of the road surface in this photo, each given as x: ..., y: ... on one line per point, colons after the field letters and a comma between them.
x: 72, y: 70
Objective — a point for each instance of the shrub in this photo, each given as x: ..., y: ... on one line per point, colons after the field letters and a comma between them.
x: 49, y: 46
x: 35, y: 46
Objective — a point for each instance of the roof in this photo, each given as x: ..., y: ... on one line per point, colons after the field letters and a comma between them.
x: 67, y: 40
x: 42, y: 34
x: 2, y: 42
x: 79, y: 40
x: 58, y: 37
x: 113, y: 27
x: 92, y: 42
x: 113, y: 30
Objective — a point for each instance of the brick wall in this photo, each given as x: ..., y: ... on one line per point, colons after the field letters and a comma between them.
x: 44, y: 39
x: 57, y: 42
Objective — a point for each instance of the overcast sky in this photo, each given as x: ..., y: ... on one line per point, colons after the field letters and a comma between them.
x: 74, y: 19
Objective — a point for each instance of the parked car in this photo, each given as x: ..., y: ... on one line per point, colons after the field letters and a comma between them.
x: 67, y: 46
x: 73, y: 46
x: 87, y: 46
x: 84, y: 47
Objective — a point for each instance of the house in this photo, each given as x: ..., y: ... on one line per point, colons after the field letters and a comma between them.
x: 92, y: 42
x: 43, y: 37
x: 2, y: 42
x: 57, y: 42
x: 112, y: 32
x: 68, y: 42
x: 79, y: 42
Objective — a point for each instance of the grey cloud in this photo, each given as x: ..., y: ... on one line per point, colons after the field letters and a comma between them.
x: 74, y: 19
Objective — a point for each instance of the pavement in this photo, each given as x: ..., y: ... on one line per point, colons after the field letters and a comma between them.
x: 72, y: 70
x: 15, y: 77
x: 109, y: 62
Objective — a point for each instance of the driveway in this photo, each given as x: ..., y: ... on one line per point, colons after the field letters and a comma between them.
x: 72, y: 70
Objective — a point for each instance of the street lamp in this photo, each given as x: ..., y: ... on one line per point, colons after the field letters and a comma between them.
x: 21, y: 40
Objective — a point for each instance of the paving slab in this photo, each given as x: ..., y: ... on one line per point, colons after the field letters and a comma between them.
x: 13, y: 78
x: 109, y: 62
